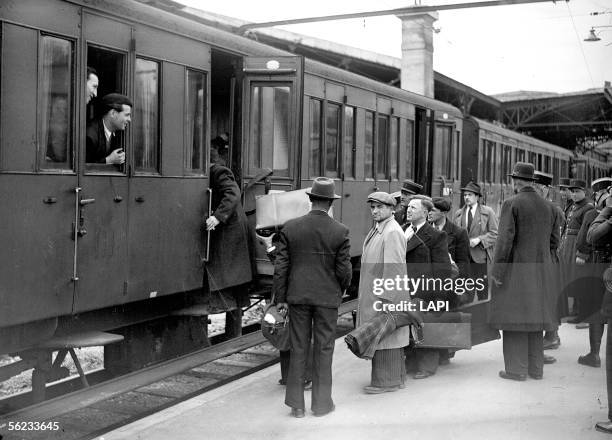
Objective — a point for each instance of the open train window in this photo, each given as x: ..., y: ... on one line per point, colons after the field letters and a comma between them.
x: 409, y: 149
x: 195, y: 126
x: 146, y: 118
x: 456, y: 155
x: 369, y: 145
x: 55, y: 82
x: 382, y: 147
x: 269, y: 127
x: 314, y: 138
x: 350, y: 144
x: 506, y: 163
x: 110, y: 67
x: 333, y: 117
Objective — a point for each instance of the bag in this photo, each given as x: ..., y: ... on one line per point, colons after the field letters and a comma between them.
x: 278, y: 333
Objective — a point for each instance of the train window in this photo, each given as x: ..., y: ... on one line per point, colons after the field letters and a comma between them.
x: 111, y: 68
x: 488, y: 161
x: 394, y: 149
x: 555, y: 171
x: 547, y: 164
x: 456, y: 155
x: 269, y: 128
x: 146, y: 119
x: 369, y: 145
x: 520, y: 155
x: 332, y: 139
x: 409, y: 149
x: 55, y: 102
x: 314, y: 138
x: 350, y: 147
x: 195, y: 127
x: 532, y: 158
x: 443, y: 139
x: 382, y: 147
x: 506, y: 163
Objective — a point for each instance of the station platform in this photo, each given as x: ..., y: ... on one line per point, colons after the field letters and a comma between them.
x: 464, y: 400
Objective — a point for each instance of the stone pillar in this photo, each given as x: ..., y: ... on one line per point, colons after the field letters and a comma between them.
x: 417, y: 53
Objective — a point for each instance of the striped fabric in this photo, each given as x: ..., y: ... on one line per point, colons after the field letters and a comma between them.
x: 388, y: 368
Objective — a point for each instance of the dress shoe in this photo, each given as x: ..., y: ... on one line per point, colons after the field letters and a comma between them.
x: 512, y: 376
x: 323, y: 413
x: 549, y: 359
x: 307, y: 385
x: 422, y: 375
x: 298, y: 413
x: 582, y: 325
x: 604, y: 427
x: 591, y: 359
x: 552, y: 344
x: 370, y: 389
x: 536, y: 376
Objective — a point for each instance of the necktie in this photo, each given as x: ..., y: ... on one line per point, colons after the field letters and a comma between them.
x: 470, y: 219
x: 410, y: 232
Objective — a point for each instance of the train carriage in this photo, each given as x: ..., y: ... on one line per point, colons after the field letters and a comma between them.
x: 92, y: 247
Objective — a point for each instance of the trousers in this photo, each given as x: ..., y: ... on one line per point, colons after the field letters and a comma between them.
x: 524, y: 352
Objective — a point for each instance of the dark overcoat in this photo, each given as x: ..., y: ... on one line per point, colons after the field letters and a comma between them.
x: 229, y: 263
x: 313, y: 261
x: 600, y: 234
x: 458, y: 246
x: 427, y: 256
x: 528, y: 231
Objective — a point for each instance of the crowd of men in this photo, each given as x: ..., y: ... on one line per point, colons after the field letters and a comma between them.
x: 536, y: 256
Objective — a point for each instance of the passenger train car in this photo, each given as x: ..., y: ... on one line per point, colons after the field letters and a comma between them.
x: 89, y: 247
x: 490, y: 151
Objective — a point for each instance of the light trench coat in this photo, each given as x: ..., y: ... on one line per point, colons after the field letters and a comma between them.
x: 383, y: 257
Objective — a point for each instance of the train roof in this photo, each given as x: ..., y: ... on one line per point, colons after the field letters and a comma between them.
x: 228, y: 25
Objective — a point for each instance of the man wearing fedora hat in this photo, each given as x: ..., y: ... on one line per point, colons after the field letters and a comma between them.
x: 409, y: 189
x: 311, y: 271
x: 522, y: 275
x: 481, y: 223
x: 567, y: 250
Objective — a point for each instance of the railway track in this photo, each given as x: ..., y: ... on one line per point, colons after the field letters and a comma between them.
x: 90, y: 412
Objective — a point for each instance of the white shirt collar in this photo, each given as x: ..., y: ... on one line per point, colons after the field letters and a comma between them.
x: 107, y: 132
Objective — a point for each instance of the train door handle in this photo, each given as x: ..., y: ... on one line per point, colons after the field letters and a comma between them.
x: 84, y: 202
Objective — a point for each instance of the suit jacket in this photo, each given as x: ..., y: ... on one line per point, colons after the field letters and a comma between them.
x: 427, y: 256
x: 458, y: 246
x: 313, y: 263
x: 527, y: 298
x: 231, y: 262
x: 484, y: 226
x: 96, y: 148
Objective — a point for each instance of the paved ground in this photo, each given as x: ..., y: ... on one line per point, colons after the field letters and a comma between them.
x: 465, y: 400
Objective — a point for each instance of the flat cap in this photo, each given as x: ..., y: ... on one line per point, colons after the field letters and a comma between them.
x: 441, y: 203
x: 577, y: 184
x: 543, y: 178
x: 382, y: 197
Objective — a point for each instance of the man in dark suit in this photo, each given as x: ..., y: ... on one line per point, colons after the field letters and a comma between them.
x: 408, y: 190
x: 311, y: 271
x: 522, y: 302
x: 426, y: 257
x: 230, y: 268
x: 456, y: 237
x: 101, y: 143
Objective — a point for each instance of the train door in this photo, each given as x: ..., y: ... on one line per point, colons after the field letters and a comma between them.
x: 422, y: 149
x: 37, y: 161
x: 271, y: 115
x: 102, y: 251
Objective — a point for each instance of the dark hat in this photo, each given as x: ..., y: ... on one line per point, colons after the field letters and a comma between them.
x: 602, y: 183
x: 543, y: 178
x: 577, y: 184
x: 442, y: 203
x: 323, y: 188
x: 115, y: 99
x: 523, y: 170
x: 564, y: 182
x: 382, y: 197
x: 411, y: 187
x: 472, y: 187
